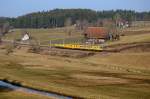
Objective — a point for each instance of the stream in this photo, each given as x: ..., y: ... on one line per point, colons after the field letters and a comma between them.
x: 32, y: 91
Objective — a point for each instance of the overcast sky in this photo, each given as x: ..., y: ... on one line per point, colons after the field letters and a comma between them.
x: 13, y: 8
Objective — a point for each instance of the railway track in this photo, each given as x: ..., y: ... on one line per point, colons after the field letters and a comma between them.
x: 67, y: 47
x: 54, y: 51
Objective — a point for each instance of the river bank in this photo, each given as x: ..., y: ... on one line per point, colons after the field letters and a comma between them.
x: 11, y: 85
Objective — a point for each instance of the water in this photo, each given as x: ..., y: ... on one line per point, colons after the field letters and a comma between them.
x: 33, y: 91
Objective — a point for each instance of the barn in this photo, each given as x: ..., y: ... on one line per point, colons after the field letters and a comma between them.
x: 96, y: 34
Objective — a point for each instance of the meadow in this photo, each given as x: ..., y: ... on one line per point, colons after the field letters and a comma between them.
x: 101, y: 76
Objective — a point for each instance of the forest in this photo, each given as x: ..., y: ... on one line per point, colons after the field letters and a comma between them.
x: 64, y: 17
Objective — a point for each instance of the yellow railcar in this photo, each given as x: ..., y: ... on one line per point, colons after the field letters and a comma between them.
x: 79, y: 46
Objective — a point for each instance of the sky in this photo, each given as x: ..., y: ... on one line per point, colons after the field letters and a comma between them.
x: 14, y: 8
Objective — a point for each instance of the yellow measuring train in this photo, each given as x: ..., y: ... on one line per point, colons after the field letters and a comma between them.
x: 79, y: 47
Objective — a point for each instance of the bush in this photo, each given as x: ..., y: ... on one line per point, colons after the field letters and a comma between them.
x: 9, y: 48
x: 34, y: 46
x: 34, y: 49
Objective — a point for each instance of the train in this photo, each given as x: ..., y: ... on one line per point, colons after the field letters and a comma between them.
x: 79, y: 47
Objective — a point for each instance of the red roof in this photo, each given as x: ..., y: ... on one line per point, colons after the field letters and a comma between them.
x: 96, y: 32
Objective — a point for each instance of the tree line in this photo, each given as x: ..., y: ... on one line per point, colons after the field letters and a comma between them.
x: 65, y: 17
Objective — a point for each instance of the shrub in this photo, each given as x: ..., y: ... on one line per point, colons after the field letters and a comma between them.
x: 9, y: 48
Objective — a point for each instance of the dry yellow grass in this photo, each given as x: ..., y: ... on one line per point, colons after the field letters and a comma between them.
x: 102, y: 76
x: 21, y: 95
x: 135, y: 60
x: 137, y: 29
x: 131, y: 39
x: 44, y: 35
x: 95, y: 76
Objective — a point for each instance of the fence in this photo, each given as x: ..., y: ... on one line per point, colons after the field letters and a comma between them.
x: 74, y: 43
x: 68, y: 43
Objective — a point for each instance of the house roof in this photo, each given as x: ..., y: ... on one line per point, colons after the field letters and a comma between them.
x: 96, y: 32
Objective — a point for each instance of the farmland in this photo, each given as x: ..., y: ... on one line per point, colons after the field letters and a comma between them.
x: 104, y: 75
x: 132, y: 35
x: 44, y: 35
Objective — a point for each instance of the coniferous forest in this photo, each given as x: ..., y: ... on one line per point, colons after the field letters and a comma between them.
x: 59, y: 17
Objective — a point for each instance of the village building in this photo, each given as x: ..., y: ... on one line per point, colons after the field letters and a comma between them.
x: 96, y: 34
x: 122, y: 24
x: 25, y: 37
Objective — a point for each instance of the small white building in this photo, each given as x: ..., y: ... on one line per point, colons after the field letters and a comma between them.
x: 25, y: 37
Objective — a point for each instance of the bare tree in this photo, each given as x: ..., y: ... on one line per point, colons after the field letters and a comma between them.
x: 78, y: 25
x: 68, y: 23
x: 117, y: 19
x: 1, y: 33
x: 99, y: 22
x: 82, y: 25
x: 5, y: 28
x: 111, y: 28
x: 85, y: 24
x: 34, y: 45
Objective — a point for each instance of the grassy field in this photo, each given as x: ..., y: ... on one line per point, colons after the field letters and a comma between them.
x: 20, y: 95
x: 102, y: 76
x: 44, y: 35
x: 130, y: 39
x: 132, y: 35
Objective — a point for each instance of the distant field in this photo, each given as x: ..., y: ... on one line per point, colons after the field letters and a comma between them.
x: 141, y: 23
x: 131, y: 39
x: 137, y: 29
x: 44, y: 35
x: 132, y: 35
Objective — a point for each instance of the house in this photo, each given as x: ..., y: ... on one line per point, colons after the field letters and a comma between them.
x: 25, y: 37
x: 96, y: 34
x: 122, y: 24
